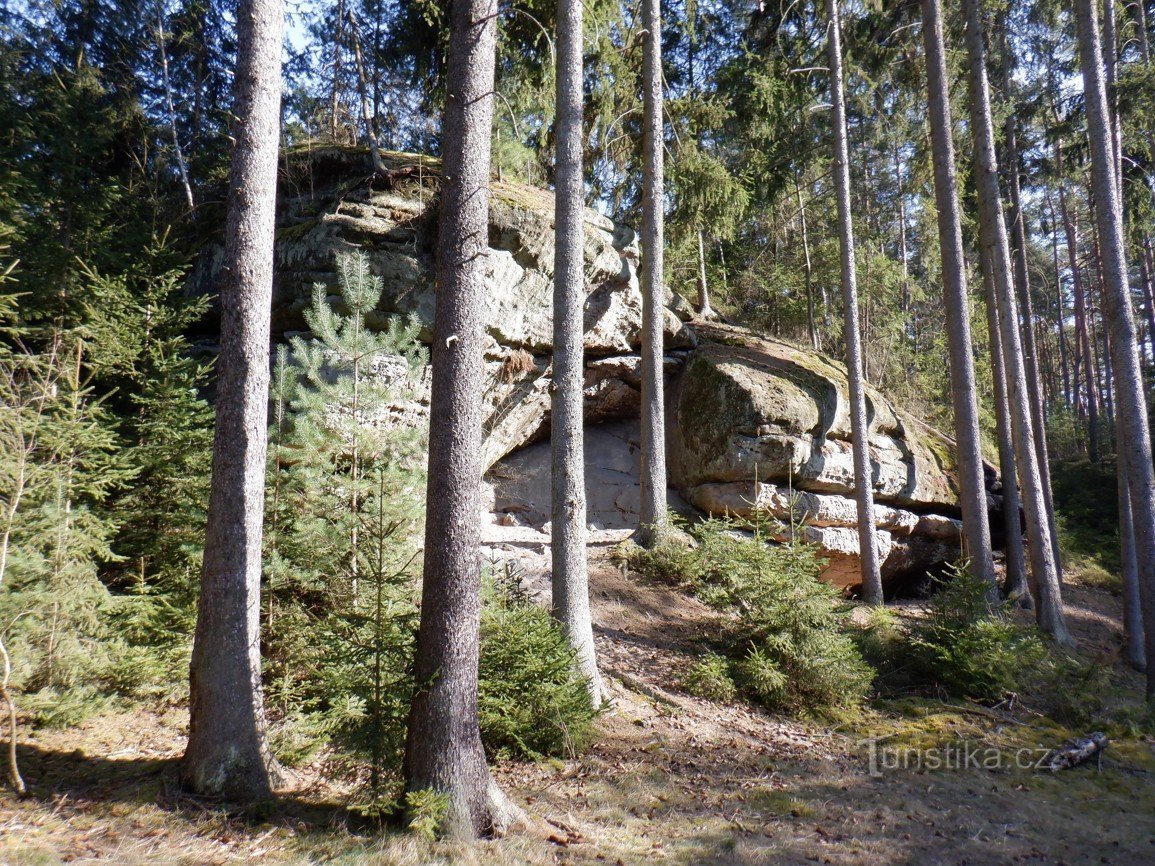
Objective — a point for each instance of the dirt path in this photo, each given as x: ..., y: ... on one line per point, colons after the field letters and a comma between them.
x: 670, y: 779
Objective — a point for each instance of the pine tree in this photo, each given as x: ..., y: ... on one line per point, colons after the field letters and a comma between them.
x: 571, y: 602
x: 976, y: 531
x: 996, y: 257
x: 228, y: 753
x: 443, y: 751
x: 859, y: 424
x: 343, y: 509
x: 652, y: 516
x: 1134, y: 433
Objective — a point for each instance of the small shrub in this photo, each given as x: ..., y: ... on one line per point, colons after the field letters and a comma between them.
x: 786, y: 641
x: 532, y: 701
x: 427, y: 810
x: 710, y: 678
x: 969, y: 648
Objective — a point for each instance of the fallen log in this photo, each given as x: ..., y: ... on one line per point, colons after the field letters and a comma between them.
x: 1076, y: 751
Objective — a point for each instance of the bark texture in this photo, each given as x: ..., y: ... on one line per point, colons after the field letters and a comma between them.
x: 653, y: 453
x: 1015, y: 584
x: 863, y: 484
x: 443, y: 750
x: 1134, y: 435
x: 997, y: 259
x: 228, y: 752
x: 571, y: 602
x: 976, y: 530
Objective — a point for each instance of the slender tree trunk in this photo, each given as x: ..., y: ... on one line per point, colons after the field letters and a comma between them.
x: 367, y: 115
x: 972, y: 490
x: 704, y: 308
x: 1015, y: 585
x: 1083, y: 347
x: 1147, y: 264
x: 228, y: 753
x: 1060, y: 305
x: 903, y: 254
x: 1022, y: 287
x: 335, y: 94
x: 811, y: 323
x: 997, y: 259
x: 571, y: 601
x: 161, y: 42
x: 859, y: 424
x: 443, y: 751
x: 653, y: 475
x: 1134, y: 433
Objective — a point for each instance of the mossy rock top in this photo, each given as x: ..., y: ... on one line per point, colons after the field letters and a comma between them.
x: 749, y: 408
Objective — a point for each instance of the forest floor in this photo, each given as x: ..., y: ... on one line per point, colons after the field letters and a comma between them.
x: 670, y: 778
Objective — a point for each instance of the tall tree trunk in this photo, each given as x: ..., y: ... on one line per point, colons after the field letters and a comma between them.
x: 170, y: 109
x: 704, y: 308
x: 228, y: 753
x: 859, y: 425
x: 1147, y: 270
x: 972, y: 491
x: 811, y: 323
x: 997, y: 259
x: 1134, y: 433
x: 443, y: 750
x: 367, y: 115
x: 652, y: 518
x: 1015, y: 584
x: 903, y: 254
x: 335, y: 93
x: 1134, y: 649
x: 571, y: 601
x: 1060, y: 305
x: 1083, y: 343
x: 1022, y: 287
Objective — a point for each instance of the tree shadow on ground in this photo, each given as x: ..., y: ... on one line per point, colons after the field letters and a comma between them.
x: 77, y: 778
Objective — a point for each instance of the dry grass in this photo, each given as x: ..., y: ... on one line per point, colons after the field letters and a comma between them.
x: 672, y: 779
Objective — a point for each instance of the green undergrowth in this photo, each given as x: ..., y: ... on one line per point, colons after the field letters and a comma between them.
x: 1087, y: 510
x: 788, y: 644
x: 784, y: 644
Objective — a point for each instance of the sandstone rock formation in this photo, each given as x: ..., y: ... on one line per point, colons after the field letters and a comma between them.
x: 753, y: 423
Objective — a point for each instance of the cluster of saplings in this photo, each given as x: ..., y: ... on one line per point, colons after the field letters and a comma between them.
x: 789, y: 642
x: 101, y: 542
x: 101, y: 548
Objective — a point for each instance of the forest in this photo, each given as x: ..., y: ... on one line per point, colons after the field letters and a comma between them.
x: 627, y: 431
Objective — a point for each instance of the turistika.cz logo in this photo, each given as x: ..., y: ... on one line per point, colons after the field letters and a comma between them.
x: 951, y: 757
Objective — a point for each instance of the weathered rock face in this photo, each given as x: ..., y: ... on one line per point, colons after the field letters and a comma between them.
x: 752, y: 423
x: 331, y: 202
x: 760, y: 425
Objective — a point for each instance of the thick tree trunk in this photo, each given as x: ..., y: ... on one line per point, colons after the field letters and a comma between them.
x: 1133, y: 646
x: 1134, y: 433
x: 228, y: 752
x: 652, y: 518
x: 997, y: 259
x: 1015, y: 584
x: 859, y: 424
x: 976, y: 530
x: 571, y: 602
x: 443, y: 751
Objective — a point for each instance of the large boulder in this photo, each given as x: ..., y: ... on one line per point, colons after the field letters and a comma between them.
x: 761, y: 426
x: 754, y: 425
